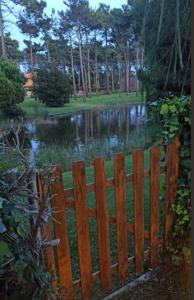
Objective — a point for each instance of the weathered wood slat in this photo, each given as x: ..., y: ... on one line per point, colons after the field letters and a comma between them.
x: 48, y: 251
x: 112, y: 220
x: 154, y: 205
x: 121, y: 215
x: 138, y: 169
x: 172, y: 162
x: 114, y: 268
x: 90, y: 187
x: 103, y: 224
x: 60, y: 229
x: 82, y: 225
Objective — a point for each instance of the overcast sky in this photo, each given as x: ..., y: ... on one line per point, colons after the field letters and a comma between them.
x: 57, y: 5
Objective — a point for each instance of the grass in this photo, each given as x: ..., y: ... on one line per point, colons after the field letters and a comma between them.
x: 35, y: 109
x: 70, y: 213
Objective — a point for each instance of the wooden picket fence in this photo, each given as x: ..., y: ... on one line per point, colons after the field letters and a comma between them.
x: 75, y: 198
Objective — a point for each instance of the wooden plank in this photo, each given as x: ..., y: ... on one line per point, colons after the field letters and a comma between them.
x: 48, y: 251
x: 121, y: 217
x: 114, y: 268
x: 90, y: 187
x: 154, y: 205
x: 60, y: 229
x: 138, y: 165
x: 172, y: 162
x: 103, y: 224
x: 82, y: 225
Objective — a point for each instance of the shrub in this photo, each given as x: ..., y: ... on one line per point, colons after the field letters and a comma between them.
x: 52, y: 87
x: 23, y: 273
x: 11, y: 81
x: 175, y: 117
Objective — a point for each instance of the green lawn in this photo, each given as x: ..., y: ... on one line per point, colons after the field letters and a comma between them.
x: 35, y: 109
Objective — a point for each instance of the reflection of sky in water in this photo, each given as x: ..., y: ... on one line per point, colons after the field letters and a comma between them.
x: 108, y: 130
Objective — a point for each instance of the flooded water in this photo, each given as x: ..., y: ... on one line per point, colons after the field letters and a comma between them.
x: 87, y: 134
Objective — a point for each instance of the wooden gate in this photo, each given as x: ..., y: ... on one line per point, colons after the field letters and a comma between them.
x: 75, y: 198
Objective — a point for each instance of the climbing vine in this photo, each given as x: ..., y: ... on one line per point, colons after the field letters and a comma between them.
x: 175, y: 117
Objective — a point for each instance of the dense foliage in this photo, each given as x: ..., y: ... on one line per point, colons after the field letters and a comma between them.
x: 104, y: 49
x: 163, y: 30
x: 22, y: 270
x: 175, y: 116
x: 52, y: 87
x: 11, y: 80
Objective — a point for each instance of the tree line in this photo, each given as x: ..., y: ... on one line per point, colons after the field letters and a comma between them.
x: 144, y: 43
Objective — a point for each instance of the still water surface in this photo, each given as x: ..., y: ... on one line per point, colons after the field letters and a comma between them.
x: 87, y: 134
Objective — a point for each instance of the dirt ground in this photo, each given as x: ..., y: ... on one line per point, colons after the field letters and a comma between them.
x: 168, y: 284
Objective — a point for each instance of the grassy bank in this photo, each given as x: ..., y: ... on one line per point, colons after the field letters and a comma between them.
x: 35, y: 109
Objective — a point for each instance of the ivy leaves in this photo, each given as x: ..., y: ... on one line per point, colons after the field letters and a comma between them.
x: 175, y: 117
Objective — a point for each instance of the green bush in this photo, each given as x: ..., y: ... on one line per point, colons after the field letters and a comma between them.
x: 175, y: 117
x: 11, y: 81
x: 52, y: 87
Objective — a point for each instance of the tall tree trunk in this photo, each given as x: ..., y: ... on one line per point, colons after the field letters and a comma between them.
x: 160, y: 21
x: 89, y: 74
x: 2, y: 33
x: 86, y: 78
x: 126, y: 55
x: 107, y: 68
x: 31, y: 54
x: 48, y: 52
x: 107, y: 75
x: 137, y: 65
x: 81, y: 60
x: 73, y: 74
x: 79, y: 81
x: 96, y: 72
x: 112, y: 77
x: 120, y: 83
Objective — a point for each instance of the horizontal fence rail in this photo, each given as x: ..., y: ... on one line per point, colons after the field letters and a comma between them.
x: 76, y: 199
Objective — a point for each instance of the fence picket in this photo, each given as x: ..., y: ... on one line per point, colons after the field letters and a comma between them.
x: 121, y: 217
x: 172, y: 162
x: 138, y: 169
x: 75, y: 198
x: 60, y: 229
x: 103, y: 223
x: 82, y: 226
x: 154, y: 205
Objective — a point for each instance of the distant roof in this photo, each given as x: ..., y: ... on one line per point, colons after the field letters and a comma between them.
x: 28, y: 84
x: 28, y: 75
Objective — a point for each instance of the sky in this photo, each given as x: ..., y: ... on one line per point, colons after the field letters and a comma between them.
x: 57, y: 5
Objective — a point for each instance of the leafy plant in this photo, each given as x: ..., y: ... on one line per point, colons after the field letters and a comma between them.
x: 175, y: 116
x: 52, y: 87
x: 11, y: 81
x: 23, y: 213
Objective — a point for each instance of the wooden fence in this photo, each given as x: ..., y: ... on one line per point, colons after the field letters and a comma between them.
x: 75, y: 198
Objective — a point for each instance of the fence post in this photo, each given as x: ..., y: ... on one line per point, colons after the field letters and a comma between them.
x: 121, y: 215
x: 138, y: 169
x: 82, y: 225
x: 172, y: 162
x: 49, y: 253
x: 154, y: 205
x: 103, y: 223
x: 60, y: 229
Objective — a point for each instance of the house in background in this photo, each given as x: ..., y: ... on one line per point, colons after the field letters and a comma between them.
x: 28, y: 86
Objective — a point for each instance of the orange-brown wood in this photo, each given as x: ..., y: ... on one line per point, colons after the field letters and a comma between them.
x: 82, y: 225
x: 121, y: 217
x: 172, y: 162
x: 49, y: 253
x: 60, y: 229
x: 154, y: 205
x: 138, y: 169
x: 103, y: 224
